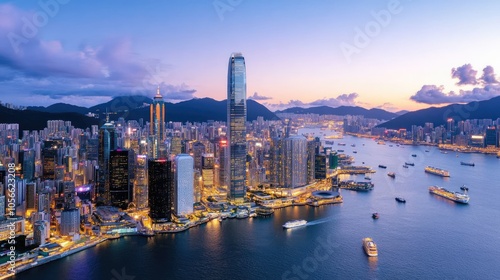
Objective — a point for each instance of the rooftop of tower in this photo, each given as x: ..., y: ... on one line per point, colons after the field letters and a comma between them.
x: 158, y: 94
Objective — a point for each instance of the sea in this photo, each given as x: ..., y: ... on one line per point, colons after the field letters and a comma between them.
x: 428, y: 237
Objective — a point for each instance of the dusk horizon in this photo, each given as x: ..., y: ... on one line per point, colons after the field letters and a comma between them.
x: 297, y: 54
x: 258, y: 139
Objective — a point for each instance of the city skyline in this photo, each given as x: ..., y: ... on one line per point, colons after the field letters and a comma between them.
x: 301, y: 54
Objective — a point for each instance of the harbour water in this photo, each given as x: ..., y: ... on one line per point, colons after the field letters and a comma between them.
x: 428, y: 237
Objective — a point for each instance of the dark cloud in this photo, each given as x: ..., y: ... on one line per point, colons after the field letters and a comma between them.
x: 488, y: 76
x: 176, y: 93
x: 465, y: 75
x: 432, y: 94
x: 36, y: 67
x: 256, y: 96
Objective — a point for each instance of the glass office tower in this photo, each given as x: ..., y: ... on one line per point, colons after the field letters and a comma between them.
x: 236, y: 118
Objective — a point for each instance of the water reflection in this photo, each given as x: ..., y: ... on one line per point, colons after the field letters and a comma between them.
x: 373, y: 263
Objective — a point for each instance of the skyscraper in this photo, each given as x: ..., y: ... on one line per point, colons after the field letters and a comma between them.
x: 107, y: 143
x: 236, y: 118
x: 119, y: 178
x: 160, y: 190
x: 49, y: 160
x: 184, y: 185
x: 295, y: 159
x: 141, y: 182
x: 223, y: 162
x: 28, y: 165
x: 157, y: 123
x: 69, y: 195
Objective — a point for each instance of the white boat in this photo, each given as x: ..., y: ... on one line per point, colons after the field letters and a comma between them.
x: 295, y: 223
x: 370, y: 247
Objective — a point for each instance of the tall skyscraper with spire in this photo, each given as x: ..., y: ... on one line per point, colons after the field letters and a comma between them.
x: 236, y: 118
x: 157, y: 124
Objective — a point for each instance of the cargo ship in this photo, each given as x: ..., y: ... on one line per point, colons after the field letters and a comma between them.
x: 455, y: 196
x: 437, y: 171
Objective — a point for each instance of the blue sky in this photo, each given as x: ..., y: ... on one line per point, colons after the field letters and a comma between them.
x: 302, y: 53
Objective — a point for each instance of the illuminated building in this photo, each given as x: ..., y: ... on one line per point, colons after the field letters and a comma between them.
x: 141, y: 182
x: 295, y: 159
x: 70, y: 222
x: 119, y: 178
x: 184, y: 185
x: 236, y: 118
x: 160, y: 190
x: 157, y: 123
x: 223, y: 168
x: 69, y: 195
x: 107, y: 143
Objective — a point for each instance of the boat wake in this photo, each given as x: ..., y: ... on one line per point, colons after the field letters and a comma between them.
x: 320, y: 221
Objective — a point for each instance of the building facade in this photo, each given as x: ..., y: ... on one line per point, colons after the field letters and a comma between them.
x: 236, y: 118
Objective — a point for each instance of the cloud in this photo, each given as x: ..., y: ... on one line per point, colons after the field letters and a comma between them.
x: 256, y: 96
x: 432, y: 94
x: 175, y: 93
x: 488, y: 76
x: 31, y: 66
x: 341, y: 100
x: 388, y: 107
x: 465, y: 75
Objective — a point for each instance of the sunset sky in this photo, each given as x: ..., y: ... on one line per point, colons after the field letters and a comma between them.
x: 389, y: 54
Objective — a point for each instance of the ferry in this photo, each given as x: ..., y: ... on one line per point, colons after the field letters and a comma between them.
x: 437, y: 171
x: 391, y: 174
x: 294, y: 224
x: 410, y: 163
x: 370, y: 247
x: 382, y: 166
x: 467, y: 163
x: 356, y: 186
x: 455, y: 196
